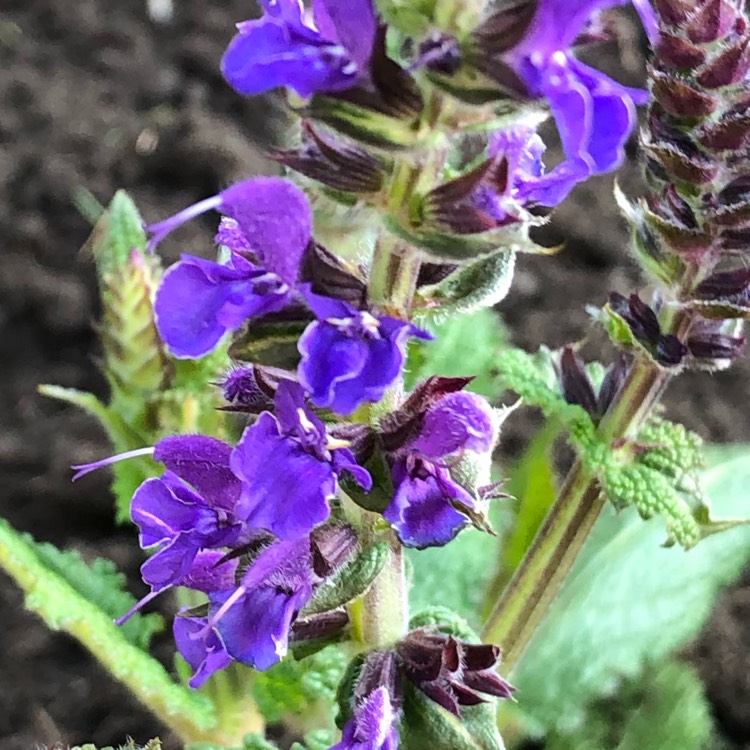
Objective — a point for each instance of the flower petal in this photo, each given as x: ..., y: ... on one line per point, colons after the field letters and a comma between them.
x: 612, y: 117
x: 255, y: 629
x: 199, y: 301
x: 459, y: 421
x: 171, y: 563
x: 265, y: 55
x: 203, y: 462
x: 159, y: 513
x: 285, y: 489
x: 204, y: 653
x: 351, y: 23
x: 329, y: 358
x: 275, y: 217
x: 421, y: 511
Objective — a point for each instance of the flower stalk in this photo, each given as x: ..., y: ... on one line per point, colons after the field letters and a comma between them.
x: 562, y: 536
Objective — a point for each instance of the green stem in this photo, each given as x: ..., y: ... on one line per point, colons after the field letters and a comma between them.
x: 547, y: 563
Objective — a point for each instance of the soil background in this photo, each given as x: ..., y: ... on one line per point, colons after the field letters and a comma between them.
x: 97, y: 95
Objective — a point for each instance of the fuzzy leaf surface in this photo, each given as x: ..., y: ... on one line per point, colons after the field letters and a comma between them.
x: 64, y: 608
x: 668, y: 710
x: 630, y: 601
x: 100, y: 582
x: 478, y: 337
x: 294, y: 687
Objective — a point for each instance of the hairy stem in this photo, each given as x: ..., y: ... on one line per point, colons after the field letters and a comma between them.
x: 547, y: 563
x: 191, y: 715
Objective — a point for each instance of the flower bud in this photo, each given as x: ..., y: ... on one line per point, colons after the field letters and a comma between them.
x: 343, y: 168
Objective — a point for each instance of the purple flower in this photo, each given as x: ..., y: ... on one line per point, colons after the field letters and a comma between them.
x: 289, y: 468
x: 594, y: 114
x: 373, y: 725
x: 201, y: 647
x: 528, y: 183
x: 429, y: 507
x: 190, y: 508
x: 458, y: 422
x: 199, y: 300
x: 375, y: 705
x: 284, y: 48
x: 424, y: 507
x: 350, y: 356
x: 253, y: 620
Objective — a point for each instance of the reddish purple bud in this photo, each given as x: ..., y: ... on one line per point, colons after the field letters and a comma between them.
x: 734, y: 216
x: 712, y: 20
x: 674, y: 12
x: 450, y: 672
x: 727, y: 68
x: 505, y: 29
x: 679, y: 52
x: 326, y: 625
x: 695, y: 169
x: 716, y: 346
x: 330, y: 276
x: 680, y: 98
x: 335, y: 164
x: 331, y: 546
x: 725, y: 285
x: 729, y: 133
x: 575, y: 383
x: 669, y: 350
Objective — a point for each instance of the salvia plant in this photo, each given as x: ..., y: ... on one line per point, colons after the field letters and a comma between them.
x: 299, y: 419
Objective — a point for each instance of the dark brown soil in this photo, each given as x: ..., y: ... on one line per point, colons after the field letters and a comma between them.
x: 95, y: 95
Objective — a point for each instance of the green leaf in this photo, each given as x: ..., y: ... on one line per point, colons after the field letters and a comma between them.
x: 478, y: 337
x: 456, y: 575
x: 350, y: 581
x: 100, y: 582
x: 630, y: 601
x: 297, y: 688
x: 668, y: 710
x: 63, y: 608
x: 481, y: 284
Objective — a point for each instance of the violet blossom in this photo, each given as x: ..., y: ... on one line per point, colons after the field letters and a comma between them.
x: 594, y: 114
x: 351, y: 356
x: 201, y: 647
x: 528, y: 182
x: 373, y: 725
x: 376, y: 706
x: 190, y: 508
x: 267, y: 228
x: 429, y: 507
x: 289, y: 467
x: 253, y: 619
x: 328, y: 53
